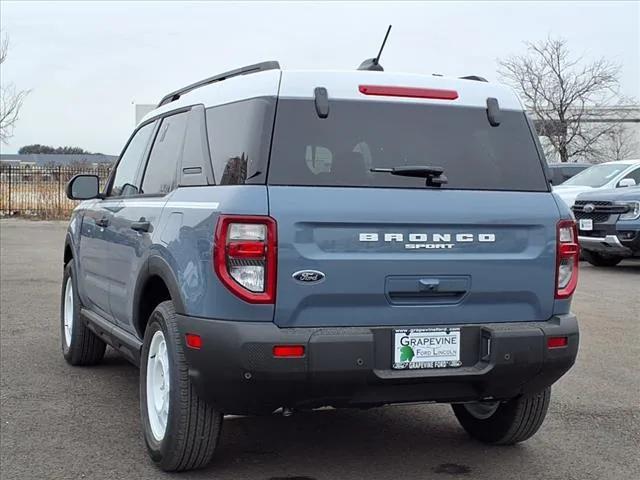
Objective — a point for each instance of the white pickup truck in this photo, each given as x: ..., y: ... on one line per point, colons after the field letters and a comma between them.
x: 604, y: 176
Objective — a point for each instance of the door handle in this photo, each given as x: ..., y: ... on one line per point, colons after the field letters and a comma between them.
x: 141, y: 225
x: 103, y: 222
x: 427, y: 290
x: 429, y: 284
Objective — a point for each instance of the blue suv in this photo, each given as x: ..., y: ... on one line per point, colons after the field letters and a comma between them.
x: 275, y: 239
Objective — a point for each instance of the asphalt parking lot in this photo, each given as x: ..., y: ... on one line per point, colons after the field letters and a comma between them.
x: 62, y: 422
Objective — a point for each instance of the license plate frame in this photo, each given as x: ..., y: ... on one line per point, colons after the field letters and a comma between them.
x: 585, y: 224
x: 426, y: 348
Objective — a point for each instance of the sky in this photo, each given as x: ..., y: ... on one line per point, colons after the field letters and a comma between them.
x: 87, y: 63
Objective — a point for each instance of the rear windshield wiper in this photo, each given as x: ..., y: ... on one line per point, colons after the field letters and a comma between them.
x: 434, y: 175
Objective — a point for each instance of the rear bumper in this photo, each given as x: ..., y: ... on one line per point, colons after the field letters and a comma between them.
x: 236, y: 371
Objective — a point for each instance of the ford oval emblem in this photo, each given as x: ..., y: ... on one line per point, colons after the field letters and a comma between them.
x: 589, y: 207
x: 308, y: 276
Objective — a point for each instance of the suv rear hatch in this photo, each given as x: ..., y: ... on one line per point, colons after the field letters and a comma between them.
x: 391, y: 250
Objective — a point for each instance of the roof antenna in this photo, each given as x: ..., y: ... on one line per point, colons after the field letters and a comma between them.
x: 372, y: 63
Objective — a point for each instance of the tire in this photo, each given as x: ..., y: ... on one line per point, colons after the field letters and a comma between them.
x: 510, y: 422
x: 601, y: 260
x: 80, y: 346
x: 191, y: 426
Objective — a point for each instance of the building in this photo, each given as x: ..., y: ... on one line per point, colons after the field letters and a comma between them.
x: 621, y: 142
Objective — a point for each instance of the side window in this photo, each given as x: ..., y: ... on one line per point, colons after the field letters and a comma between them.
x: 196, y: 163
x: 160, y: 174
x: 124, y: 181
x: 239, y: 139
x: 635, y: 175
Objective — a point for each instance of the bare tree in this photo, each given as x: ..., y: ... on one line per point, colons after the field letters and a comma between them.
x: 620, y: 144
x: 10, y: 99
x: 565, y: 95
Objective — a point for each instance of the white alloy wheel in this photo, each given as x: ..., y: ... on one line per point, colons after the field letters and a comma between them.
x: 482, y: 410
x: 158, y: 385
x: 68, y: 311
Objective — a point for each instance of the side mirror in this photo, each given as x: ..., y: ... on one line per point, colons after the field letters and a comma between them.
x: 83, y: 187
x: 627, y: 182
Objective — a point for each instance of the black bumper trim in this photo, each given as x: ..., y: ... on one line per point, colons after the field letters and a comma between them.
x: 236, y: 371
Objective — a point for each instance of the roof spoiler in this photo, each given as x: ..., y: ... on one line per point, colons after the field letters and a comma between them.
x: 257, y: 67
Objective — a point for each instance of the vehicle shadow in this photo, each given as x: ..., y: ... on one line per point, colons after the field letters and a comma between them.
x: 411, y: 441
x: 419, y: 441
x: 631, y: 265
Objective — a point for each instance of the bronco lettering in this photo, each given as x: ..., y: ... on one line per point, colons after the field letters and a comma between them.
x: 428, y: 241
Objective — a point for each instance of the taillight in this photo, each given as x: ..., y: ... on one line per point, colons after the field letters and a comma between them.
x: 244, y: 256
x: 567, y: 258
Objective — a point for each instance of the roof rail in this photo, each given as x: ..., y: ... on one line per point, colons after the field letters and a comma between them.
x: 258, y: 67
x: 474, y: 77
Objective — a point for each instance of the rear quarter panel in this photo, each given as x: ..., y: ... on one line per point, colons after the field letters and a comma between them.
x: 185, y: 241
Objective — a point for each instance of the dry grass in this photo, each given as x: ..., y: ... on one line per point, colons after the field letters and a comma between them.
x: 39, y: 192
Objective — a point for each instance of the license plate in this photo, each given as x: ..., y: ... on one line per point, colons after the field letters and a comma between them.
x: 426, y: 348
x: 585, y: 224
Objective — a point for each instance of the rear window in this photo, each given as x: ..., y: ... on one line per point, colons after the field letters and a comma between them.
x: 359, y: 135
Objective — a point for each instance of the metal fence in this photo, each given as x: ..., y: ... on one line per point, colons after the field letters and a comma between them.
x: 40, y: 191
